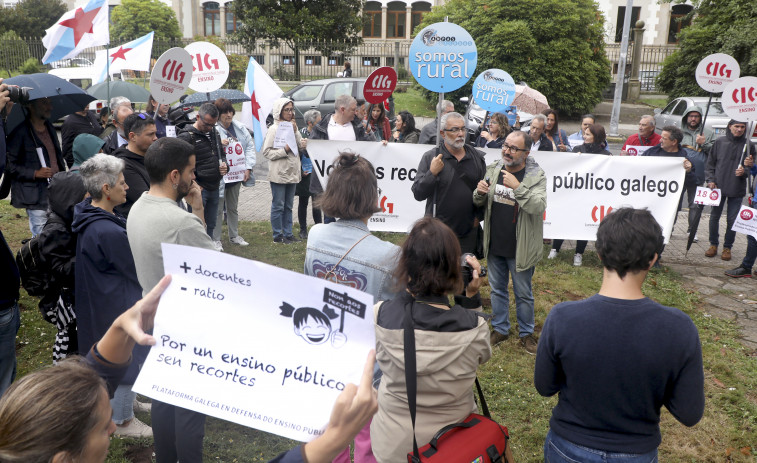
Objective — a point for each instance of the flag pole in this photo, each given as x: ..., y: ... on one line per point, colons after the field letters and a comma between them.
x: 107, y: 64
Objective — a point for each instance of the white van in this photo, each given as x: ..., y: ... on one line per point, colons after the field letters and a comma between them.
x: 81, y: 77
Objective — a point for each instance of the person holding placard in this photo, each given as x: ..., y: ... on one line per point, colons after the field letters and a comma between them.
x: 159, y: 113
x: 745, y: 269
x: 141, y: 131
x: 691, y: 125
x: 281, y: 148
x: 232, y: 133
x: 646, y: 137
x: 727, y: 169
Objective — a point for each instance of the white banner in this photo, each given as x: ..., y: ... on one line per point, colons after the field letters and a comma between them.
x: 707, y: 197
x: 235, y: 161
x: 581, y: 188
x: 235, y: 341
x: 746, y: 222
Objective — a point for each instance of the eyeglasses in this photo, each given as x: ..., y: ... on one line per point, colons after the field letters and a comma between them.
x: 288, y: 110
x: 507, y: 147
x: 455, y: 129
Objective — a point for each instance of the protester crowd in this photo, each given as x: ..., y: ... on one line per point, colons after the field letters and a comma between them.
x: 104, y: 201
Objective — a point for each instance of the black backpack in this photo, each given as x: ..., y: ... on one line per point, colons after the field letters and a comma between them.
x: 34, y: 270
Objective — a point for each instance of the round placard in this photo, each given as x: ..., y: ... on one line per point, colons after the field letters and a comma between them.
x: 494, y: 90
x: 716, y: 71
x: 210, y: 66
x: 443, y: 57
x: 739, y: 99
x: 171, y: 75
x: 380, y: 85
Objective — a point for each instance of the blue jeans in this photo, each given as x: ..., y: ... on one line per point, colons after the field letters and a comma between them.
x: 281, y: 208
x: 751, y: 253
x: 122, y: 403
x: 734, y: 204
x: 210, y: 204
x: 559, y: 450
x: 10, y: 321
x: 500, y: 268
x: 37, y: 220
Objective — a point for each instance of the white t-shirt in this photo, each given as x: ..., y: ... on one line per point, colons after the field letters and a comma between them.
x: 343, y: 132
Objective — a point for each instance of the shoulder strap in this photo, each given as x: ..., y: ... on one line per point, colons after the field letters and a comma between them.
x: 333, y: 269
x: 411, y: 372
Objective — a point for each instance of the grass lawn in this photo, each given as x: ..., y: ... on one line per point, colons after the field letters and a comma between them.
x: 412, y: 100
x: 727, y: 432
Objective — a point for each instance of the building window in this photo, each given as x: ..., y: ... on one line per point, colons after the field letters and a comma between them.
x: 287, y: 59
x: 373, y: 61
x: 621, y: 17
x: 678, y: 21
x: 419, y: 9
x: 390, y: 61
x: 232, y: 23
x: 211, y: 12
x: 313, y: 60
x: 260, y: 59
x: 395, y: 20
x: 336, y: 60
x: 372, y: 20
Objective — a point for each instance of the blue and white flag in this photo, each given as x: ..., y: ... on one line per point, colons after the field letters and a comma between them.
x: 134, y: 55
x: 76, y: 30
x: 263, y: 92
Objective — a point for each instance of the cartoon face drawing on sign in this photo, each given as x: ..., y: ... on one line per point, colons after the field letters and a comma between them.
x: 313, y: 325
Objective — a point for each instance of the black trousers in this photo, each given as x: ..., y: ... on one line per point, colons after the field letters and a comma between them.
x: 178, y: 433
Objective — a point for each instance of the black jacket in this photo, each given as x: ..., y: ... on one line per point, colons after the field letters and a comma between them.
x: 207, y: 153
x: 112, y: 143
x: 723, y: 160
x: 26, y: 191
x: 135, y: 175
x: 545, y: 144
x: 73, y: 126
x: 592, y: 148
x: 657, y: 150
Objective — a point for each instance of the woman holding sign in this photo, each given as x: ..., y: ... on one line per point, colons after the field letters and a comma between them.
x: 234, y: 136
x: 281, y: 147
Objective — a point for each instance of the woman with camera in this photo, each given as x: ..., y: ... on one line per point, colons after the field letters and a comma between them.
x: 451, y: 342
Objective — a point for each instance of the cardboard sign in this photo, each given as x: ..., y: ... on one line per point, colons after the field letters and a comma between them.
x: 380, y: 85
x: 171, y: 75
x: 494, y: 90
x: 739, y: 99
x: 746, y: 221
x: 636, y: 150
x: 707, y: 197
x: 210, y: 66
x: 443, y: 57
x: 255, y: 344
x: 235, y: 162
x: 716, y: 71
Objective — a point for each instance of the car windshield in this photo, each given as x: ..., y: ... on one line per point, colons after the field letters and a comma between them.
x: 716, y: 109
x: 306, y: 93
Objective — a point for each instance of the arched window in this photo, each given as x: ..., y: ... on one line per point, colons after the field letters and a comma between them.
x: 395, y: 21
x: 372, y: 19
x: 677, y: 21
x: 211, y: 12
x: 419, y: 9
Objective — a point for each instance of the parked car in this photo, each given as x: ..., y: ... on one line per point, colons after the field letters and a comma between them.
x: 72, y: 62
x: 321, y: 94
x: 717, y: 119
x: 474, y: 117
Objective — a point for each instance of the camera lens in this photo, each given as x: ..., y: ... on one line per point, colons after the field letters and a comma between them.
x: 18, y: 94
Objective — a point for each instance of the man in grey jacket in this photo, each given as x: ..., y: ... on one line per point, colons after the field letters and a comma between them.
x: 430, y: 131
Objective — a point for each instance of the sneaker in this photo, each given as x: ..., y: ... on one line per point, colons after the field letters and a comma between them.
x: 291, y: 239
x: 552, y: 254
x: 578, y: 259
x: 529, y: 343
x: 279, y: 239
x: 240, y: 241
x: 726, y: 255
x: 711, y: 251
x: 135, y: 429
x: 739, y: 272
x: 496, y: 337
x: 218, y: 245
x: 304, y: 233
x: 142, y: 407
x: 696, y: 238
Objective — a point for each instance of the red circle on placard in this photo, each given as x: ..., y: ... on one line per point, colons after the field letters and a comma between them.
x: 714, y: 196
x: 238, y: 149
x: 380, y: 85
x: 746, y: 214
x: 632, y: 151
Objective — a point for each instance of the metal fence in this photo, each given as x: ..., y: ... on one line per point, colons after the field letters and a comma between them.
x: 652, y: 57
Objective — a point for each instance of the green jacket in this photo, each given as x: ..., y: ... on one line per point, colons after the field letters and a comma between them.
x: 531, y: 196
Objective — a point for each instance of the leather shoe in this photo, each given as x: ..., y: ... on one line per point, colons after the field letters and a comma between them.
x: 726, y: 255
x: 711, y: 251
x: 496, y: 337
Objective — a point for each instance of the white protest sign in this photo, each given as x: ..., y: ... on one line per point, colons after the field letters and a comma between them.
x: 716, y: 71
x: 746, y: 222
x: 210, y: 66
x: 171, y: 131
x: 636, y: 150
x: 642, y: 182
x: 285, y: 136
x: 739, y: 99
x: 707, y: 197
x: 235, y: 161
x: 236, y: 341
x: 171, y: 75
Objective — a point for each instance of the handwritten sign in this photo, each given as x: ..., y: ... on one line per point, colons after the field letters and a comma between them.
x: 285, y: 137
x: 746, y: 221
x: 171, y: 75
x: 235, y: 340
x: 707, y: 197
x: 235, y: 161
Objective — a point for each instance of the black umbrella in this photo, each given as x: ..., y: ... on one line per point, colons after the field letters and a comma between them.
x: 66, y: 97
x: 235, y: 96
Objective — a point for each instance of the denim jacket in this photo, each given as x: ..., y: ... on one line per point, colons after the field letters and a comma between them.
x: 368, y: 266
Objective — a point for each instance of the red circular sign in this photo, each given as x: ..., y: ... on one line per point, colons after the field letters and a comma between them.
x: 239, y: 149
x: 746, y: 214
x: 632, y: 152
x: 714, y: 196
x: 380, y: 85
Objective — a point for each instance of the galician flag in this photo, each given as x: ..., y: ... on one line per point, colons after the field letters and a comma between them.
x: 134, y: 55
x: 263, y: 92
x: 76, y: 30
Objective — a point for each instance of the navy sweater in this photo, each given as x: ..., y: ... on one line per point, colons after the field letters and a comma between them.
x: 615, y: 363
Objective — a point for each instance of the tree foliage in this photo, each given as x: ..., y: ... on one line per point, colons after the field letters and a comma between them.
x: 555, y: 46
x: 718, y: 26
x: 135, y: 18
x: 30, y: 18
x: 331, y: 25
